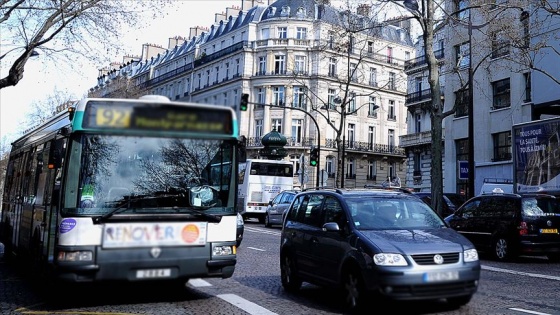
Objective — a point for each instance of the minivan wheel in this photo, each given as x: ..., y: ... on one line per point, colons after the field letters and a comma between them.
x: 288, y: 274
x: 502, y: 249
x: 267, y: 221
x: 353, y: 290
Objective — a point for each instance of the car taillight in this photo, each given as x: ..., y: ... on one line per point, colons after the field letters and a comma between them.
x: 523, y: 230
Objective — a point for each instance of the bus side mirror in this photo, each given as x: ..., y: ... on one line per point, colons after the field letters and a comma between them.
x: 56, y: 154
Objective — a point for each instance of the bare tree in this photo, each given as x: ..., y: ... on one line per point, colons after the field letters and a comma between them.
x: 65, y: 29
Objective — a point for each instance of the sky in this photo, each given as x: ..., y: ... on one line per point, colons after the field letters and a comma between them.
x: 42, y: 79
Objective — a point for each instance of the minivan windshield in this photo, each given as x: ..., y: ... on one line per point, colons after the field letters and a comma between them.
x: 367, y: 213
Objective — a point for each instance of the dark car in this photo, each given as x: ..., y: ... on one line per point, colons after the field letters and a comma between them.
x: 375, y: 244
x: 277, y: 206
x: 457, y: 199
x: 448, y: 206
x: 508, y: 225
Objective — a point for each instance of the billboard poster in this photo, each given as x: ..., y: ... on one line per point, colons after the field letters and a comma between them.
x: 537, y: 156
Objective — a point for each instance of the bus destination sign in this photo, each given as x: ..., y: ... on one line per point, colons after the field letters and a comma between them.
x: 103, y: 115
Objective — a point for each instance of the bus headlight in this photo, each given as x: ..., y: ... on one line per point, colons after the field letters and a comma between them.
x: 224, y: 250
x: 83, y: 255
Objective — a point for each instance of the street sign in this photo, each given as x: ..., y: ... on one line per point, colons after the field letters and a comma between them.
x: 463, y: 169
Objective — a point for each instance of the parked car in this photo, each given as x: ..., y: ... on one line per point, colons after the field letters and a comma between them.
x: 277, y: 206
x: 240, y: 229
x: 457, y: 199
x: 375, y: 244
x: 508, y: 225
x: 448, y: 205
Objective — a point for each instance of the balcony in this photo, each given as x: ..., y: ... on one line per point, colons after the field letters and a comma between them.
x: 420, y: 61
x: 416, y: 139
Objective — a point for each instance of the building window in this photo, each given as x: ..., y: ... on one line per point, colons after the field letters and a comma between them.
x: 417, y: 164
x: 391, y: 115
x: 299, y: 97
x: 301, y: 33
x: 329, y: 166
x: 372, y: 111
x: 350, y: 169
x: 277, y: 125
x: 500, y: 44
x: 417, y: 123
x: 502, y: 146
x: 258, y: 128
x: 354, y: 72
x: 262, y: 65
x: 462, y: 149
x: 526, y: 29
x: 370, y: 47
x: 332, y: 67
x: 391, y: 138
x: 282, y: 32
x: 300, y: 64
x: 460, y: 6
x: 371, y: 137
x: 331, y: 97
x: 330, y: 37
x: 265, y: 33
x: 372, y: 170
x: 351, y: 43
x: 389, y: 54
x: 278, y: 97
x: 462, y: 103
x: 373, y: 77
x: 351, y: 109
x: 391, y: 84
x: 279, y: 64
x: 261, y: 96
x: 462, y: 56
x: 501, y: 91
x: 351, y: 135
x: 297, y: 126
x: 527, y: 78
x: 227, y: 71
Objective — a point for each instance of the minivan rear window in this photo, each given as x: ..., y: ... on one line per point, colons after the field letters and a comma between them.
x: 540, y: 206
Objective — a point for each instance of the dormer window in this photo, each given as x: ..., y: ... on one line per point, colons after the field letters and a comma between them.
x: 271, y: 11
x: 300, y: 13
x: 285, y: 11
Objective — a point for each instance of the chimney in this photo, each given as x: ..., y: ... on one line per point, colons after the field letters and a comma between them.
x: 233, y: 10
x: 219, y: 17
x: 175, y: 41
x: 197, y: 31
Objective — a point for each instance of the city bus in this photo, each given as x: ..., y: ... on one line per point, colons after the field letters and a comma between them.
x: 259, y: 182
x: 122, y: 190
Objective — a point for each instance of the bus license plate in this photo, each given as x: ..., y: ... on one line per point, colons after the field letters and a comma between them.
x: 441, y: 276
x: 153, y: 273
x: 552, y: 231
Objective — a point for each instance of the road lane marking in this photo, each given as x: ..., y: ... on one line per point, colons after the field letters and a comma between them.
x: 245, y: 305
x: 259, y: 249
x: 197, y: 283
x: 527, y: 311
x: 520, y: 273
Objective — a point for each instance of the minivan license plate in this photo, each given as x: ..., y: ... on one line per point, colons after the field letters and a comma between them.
x: 153, y: 273
x: 441, y: 276
x: 546, y: 231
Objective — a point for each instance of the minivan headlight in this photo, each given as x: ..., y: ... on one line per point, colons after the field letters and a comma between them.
x: 470, y: 255
x: 386, y: 259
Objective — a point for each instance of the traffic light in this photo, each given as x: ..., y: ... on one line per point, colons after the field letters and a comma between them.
x: 244, y: 102
x: 314, y: 157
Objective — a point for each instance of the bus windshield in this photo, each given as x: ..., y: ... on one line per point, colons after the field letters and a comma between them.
x: 109, y: 174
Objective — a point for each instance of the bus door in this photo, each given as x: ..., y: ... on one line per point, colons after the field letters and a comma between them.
x: 29, y: 196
